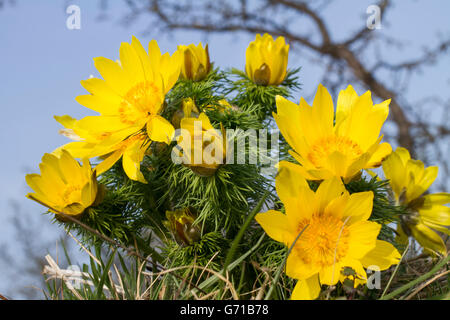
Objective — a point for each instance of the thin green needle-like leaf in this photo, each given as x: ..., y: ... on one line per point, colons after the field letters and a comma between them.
x: 241, y: 232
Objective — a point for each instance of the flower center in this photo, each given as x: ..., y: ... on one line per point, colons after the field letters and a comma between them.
x: 326, y: 146
x: 324, y: 242
x: 142, y: 99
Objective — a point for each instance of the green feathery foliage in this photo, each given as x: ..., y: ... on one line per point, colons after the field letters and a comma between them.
x: 260, y: 100
x: 150, y: 258
x: 208, y: 251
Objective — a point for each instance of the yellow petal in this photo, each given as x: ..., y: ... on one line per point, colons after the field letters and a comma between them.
x: 99, y: 104
x: 345, y: 101
x: 73, y: 209
x: 337, y: 206
x: 376, y: 117
x: 362, y: 238
x: 428, y: 239
x: 289, y: 180
x: 288, y: 121
x: 31, y: 180
x: 296, y: 268
x: 359, y: 207
x: 108, y: 162
x: 331, y: 275
x: 329, y: 190
x: 437, y: 227
x: 100, y: 88
x: 404, y: 155
x: 87, y: 197
x: 356, y: 166
x: 143, y: 58
x: 337, y: 163
x: 294, y: 192
x: 54, y: 162
x: 154, y: 54
x: 279, y: 70
x: 132, y: 159
x: 437, y: 214
x: 383, y: 255
x: 354, y: 125
x: 437, y: 198
x: 382, y: 152
x: 373, y: 119
x: 70, y: 168
x: 423, y: 179
x: 41, y: 187
x: 323, y: 111
x: 131, y: 63
x: 394, y: 171
x: 276, y: 225
x: 113, y: 74
x: 172, y: 69
x: 101, y: 123
x: 253, y: 60
x: 50, y: 176
x: 160, y: 130
x: 308, y: 289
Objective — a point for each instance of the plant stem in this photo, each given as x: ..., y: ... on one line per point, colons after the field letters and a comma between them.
x: 418, y: 280
x: 241, y: 232
x: 395, y: 272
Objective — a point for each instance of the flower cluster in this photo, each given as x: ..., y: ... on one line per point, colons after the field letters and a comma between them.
x: 131, y: 96
x: 328, y: 230
x: 152, y: 106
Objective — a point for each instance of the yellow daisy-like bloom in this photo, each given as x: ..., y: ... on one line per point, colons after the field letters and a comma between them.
x: 336, y: 232
x: 196, y: 64
x: 266, y: 60
x: 63, y: 185
x: 129, y: 98
x: 326, y: 148
x: 203, y: 147
x: 409, y: 180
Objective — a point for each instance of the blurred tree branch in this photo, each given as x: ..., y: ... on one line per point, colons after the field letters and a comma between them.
x: 345, y: 60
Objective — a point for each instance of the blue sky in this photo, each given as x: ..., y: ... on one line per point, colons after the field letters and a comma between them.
x: 42, y: 63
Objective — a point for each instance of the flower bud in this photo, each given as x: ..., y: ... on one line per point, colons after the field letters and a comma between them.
x: 180, y: 222
x: 266, y: 60
x: 188, y: 110
x: 196, y: 65
x: 203, y: 147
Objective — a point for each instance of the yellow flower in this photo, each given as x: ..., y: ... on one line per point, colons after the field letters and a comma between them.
x: 203, y: 147
x: 409, y: 179
x: 266, y: 60
x: 326, y: 149
x: 63, y: 185
x: 129, y: 98
x: 336, y: 232
x: 196, y: 65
